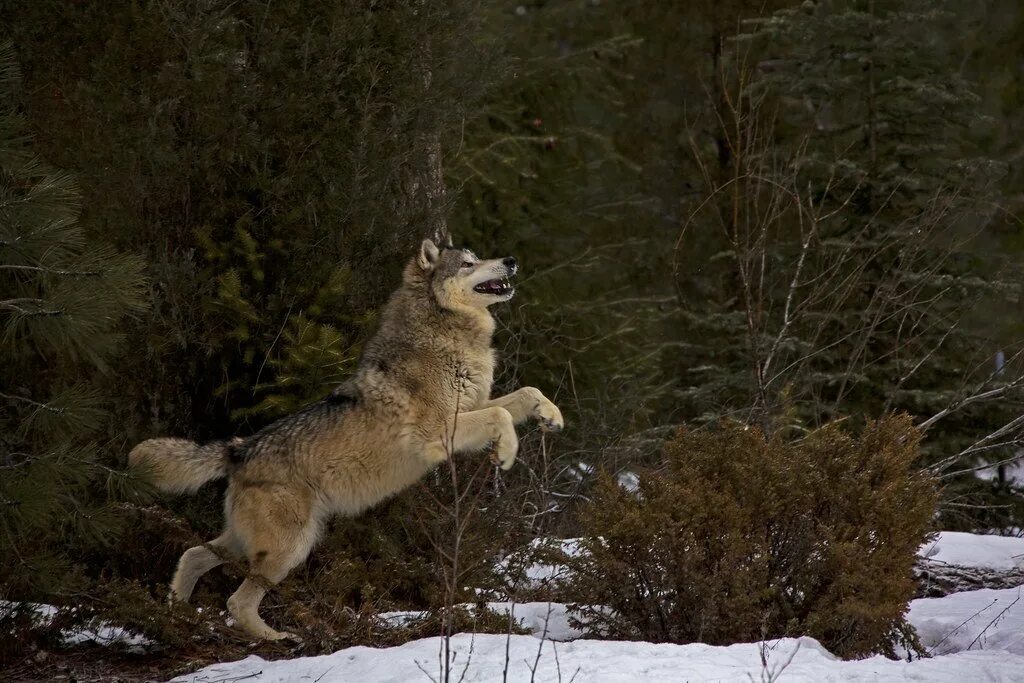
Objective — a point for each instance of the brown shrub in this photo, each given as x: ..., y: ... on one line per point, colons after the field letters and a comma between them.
x: 742, y: 536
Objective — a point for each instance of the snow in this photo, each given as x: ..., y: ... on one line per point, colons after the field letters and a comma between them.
x: 629, y: 481
x: 984, y: 619
x: 539, y: 574
x: 401, y: 619
x: 973, y: 636
x: 1013, y: 472
x: 483, y: 657
x: 976, y: 620
x: 975, y: 550
x: 101, y: 634
x: 544, y: 619
x: 950, y: 547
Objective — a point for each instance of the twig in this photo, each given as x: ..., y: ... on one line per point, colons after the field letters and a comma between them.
x: 962, y: 624
x: 997, y: 617
x: 540, y: 645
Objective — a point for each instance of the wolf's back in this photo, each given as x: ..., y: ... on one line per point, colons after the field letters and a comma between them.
x: 179, y: 465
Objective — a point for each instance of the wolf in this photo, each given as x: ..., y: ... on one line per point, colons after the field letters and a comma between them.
x: 420, y: 393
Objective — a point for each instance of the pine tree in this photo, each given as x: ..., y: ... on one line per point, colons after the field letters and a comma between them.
x: 62, y: 299
x: 274, y: 164
x: 896, y: 145
x: 856, y: 194
x: 577, y: 164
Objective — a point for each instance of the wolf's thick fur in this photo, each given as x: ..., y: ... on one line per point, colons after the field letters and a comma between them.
x: 420, y: 393
x: 180, y: 465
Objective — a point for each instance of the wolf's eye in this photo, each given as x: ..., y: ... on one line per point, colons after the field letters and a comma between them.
x: 467, y: 264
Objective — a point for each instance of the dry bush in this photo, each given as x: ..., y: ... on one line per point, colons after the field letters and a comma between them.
x: 743, y: 536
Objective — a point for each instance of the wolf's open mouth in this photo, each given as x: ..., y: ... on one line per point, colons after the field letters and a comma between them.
x: 497, y: 287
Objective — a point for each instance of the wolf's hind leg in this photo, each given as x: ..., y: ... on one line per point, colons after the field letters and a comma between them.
x: 194, y: 563
x: 278, y: 531
x: 244, y: 604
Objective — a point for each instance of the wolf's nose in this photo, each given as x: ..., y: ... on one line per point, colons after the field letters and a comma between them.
x: 510, y: 263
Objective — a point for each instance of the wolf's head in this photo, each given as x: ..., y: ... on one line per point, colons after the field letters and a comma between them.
x: 458, y: 280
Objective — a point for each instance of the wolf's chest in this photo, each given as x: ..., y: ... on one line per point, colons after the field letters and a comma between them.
x: 474, y: 376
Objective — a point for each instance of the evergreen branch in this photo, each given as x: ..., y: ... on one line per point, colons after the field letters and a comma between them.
x: 51, y: 271
x: 121, y: 474
x: 11, y: 539
x: 512, y: 139
x: 43, y: 406
x: 27, y: 460
x: 11, y: 305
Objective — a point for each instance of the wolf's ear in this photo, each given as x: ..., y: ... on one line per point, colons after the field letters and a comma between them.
x: 428, y: 255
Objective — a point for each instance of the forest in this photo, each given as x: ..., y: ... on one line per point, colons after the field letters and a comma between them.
x: 769, y: 270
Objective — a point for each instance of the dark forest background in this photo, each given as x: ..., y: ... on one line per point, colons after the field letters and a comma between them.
x: 784, y: 214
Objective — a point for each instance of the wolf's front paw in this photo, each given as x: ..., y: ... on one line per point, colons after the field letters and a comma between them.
x: 505, y: 445
x: 503, y: 452
x: 549, y: 416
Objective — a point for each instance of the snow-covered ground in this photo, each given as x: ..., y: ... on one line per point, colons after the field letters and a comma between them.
x: 973, y: 620
x: 975, y: 550
x: 973, y: 636
x: 611, y: 662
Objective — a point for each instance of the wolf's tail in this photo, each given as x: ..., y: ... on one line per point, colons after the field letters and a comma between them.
x: 180, y: 465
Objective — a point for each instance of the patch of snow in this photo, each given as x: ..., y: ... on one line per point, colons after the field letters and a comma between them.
x: 984, y: 619
x: 539, y: 574
x: 530, y: 615
x: 581, y: 471
x: 950, y: 547
x: 105, y: 634
x: 1013, y: 472
x: 975, y: 550
x: 549, y: 620
x: 401, y: 619
x: 483, y: 657
x: 102, y: 633
x: 629, y: 481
